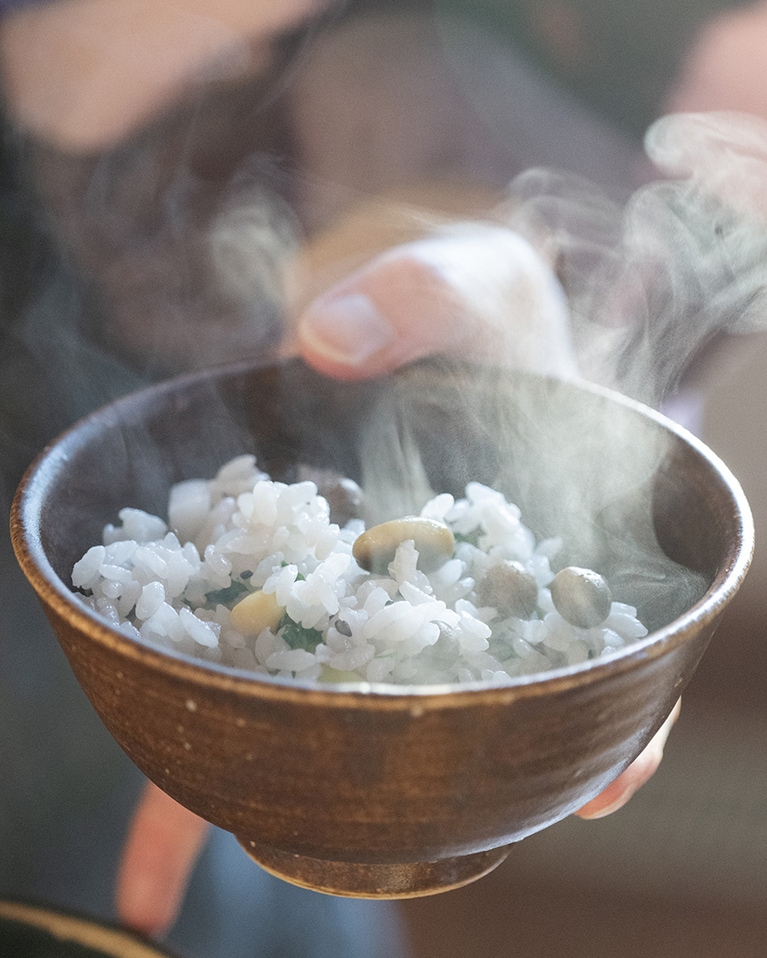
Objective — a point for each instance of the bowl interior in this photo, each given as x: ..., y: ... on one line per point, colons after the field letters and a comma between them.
x: 624, y: 488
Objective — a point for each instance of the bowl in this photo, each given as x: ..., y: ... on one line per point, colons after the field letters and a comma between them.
x: 33, y: 930
x: 395, y: 791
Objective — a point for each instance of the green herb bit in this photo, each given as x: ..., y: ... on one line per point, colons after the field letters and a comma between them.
x: 297, y: 637
x: 227, y: 596
x: 472, y: 537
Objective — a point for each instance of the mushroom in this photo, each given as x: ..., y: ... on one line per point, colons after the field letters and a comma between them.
x: 343, y: 495
x: 510, y: 589
x: 581, y: 596
x: 374, y: 549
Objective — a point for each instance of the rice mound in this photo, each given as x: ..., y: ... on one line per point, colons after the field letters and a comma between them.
x: 174, y: 584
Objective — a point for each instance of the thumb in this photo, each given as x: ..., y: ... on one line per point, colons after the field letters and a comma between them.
x: 163, y: 844
x: 635, y: 776
x: 479, y: 292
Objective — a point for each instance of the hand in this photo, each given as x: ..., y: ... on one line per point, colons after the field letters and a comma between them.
x: 724, y: 69
x: 163, y: 844
x: 478, y: 291
x: 636, y: 775
x: 84, y: 74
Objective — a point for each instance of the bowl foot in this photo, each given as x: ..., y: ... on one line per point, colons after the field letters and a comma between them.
x: 363, y: 880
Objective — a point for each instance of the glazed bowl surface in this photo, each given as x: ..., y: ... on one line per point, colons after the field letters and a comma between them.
x: 390, y: 791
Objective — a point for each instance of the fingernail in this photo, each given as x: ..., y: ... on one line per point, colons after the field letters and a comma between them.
x: 607, y: 809
x: 346, y: 329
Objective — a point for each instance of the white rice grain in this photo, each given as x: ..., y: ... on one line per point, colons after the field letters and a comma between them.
x: 241, y: 532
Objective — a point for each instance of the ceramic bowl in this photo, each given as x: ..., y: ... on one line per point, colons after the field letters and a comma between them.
x: 395, y: 792
x: 32, y: 930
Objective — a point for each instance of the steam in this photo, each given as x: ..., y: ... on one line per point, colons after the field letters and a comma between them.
x: 254, y: 239
x: 654, y: 282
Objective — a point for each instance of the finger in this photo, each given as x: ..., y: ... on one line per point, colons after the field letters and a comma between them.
x: 725, y: 154
x: 636, y: 775
x: 164, y: 841
x: 481, y: 293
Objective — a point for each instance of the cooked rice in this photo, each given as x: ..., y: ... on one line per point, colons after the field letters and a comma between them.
x: 174, y: 585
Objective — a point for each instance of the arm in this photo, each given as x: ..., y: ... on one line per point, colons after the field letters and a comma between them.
x: 84, y: 74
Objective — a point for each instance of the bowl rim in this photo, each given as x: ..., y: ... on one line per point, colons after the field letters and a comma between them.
x: 27, y: 543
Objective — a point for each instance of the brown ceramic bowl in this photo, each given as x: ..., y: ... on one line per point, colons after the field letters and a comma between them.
x: 394, y: 792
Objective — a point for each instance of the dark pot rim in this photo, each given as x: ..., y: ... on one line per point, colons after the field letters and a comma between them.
x: 69, y: 926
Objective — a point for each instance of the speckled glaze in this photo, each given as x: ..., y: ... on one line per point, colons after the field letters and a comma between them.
x: 386, y: 793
